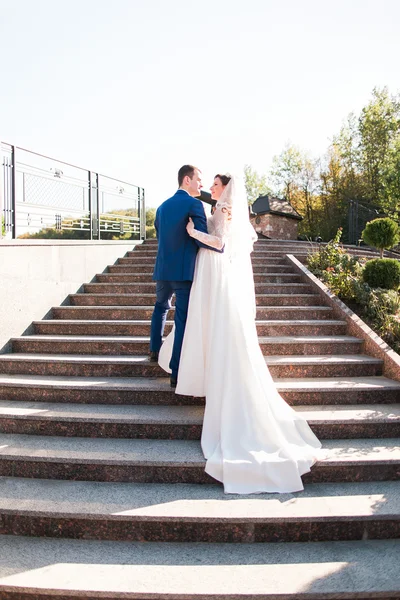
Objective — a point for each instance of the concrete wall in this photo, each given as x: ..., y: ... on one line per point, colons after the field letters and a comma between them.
x: 38, y: 274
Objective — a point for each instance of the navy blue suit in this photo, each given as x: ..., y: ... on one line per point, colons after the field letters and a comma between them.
x: 174, y: 268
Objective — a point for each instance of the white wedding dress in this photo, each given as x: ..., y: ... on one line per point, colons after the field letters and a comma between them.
x: 252, y: 440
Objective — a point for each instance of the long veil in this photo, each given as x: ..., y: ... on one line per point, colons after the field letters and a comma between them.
x: 239, y: 244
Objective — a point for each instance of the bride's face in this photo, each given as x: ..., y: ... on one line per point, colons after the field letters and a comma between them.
x: 216, y: 189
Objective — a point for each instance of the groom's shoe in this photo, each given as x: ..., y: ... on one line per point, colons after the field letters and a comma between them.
x: 173, y: 381
x: 153, y: 356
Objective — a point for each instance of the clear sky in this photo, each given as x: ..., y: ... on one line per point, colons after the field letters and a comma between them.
x: 136, y: 88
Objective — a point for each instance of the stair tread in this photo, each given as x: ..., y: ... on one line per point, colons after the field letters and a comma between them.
x: 153, y: 283
x: 173, y: 453
x: 88, y: 294
x: 162, y: 383
x: 115, y: 359
x: 305, y: 359
x: 193, y: 502
x: 165, y: 570
x: 150, y: 414
x: 281, y: 339
x: 148, y: 322
x: 143, y: 307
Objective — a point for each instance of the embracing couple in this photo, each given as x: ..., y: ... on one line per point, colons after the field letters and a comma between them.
x: 252, y: 440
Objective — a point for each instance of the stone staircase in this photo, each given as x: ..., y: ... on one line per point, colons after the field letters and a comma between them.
x: 103, y: 492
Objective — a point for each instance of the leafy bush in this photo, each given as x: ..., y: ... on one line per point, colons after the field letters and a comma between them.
x: 383, y: 312
x: 382, y: 234
x: 340, y: 271
x: 150, y: 216
x: 343, y: 274
x: 382, y: 273
x: 150, y: 232
x: 326, y: 256
x: 382, y: 303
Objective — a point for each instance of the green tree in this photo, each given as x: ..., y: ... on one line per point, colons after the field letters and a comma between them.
x: 256, y: 185
x: 379, y: 124
x: 285, y: 171
x: 333, y: 204
x: 382, y: 234
x: 150, y: 216
x: 390, y: 199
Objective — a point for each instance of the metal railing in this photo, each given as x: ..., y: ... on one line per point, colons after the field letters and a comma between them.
x: 46, y: 198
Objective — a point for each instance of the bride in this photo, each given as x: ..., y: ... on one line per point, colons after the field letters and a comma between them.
x: 252, y: 440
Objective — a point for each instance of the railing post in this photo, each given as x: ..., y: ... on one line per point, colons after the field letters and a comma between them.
x: 2, y: 216
x: 90, y: 203
x: 144, y: 214
x: 93, y: 182
x: 97, y: 222
x: 13, y: 198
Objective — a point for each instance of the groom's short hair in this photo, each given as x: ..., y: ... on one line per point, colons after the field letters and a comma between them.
x: 186, y: 170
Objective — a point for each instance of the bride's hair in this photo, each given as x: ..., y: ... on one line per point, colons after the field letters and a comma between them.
x: 225, y: 179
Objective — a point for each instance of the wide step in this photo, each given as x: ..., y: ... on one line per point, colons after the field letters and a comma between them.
x: 271, y: 327
x: 147, y: 278
x: 50, y: 568
x: 150, y: 288
x: 175, y: 461
x: 145, y: 312
x: 140, y: 366
x: 116, y: 299
x: 142, y: 390
x: 193, y: 513
x: 124, y: 345
x: 180, y: 422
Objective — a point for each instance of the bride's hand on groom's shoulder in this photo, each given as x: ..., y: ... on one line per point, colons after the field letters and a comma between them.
x: 190, y: 226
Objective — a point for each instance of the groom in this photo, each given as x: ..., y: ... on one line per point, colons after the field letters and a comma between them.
x: 176, y: 259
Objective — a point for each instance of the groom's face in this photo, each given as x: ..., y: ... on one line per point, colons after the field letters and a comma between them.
x: 195, y: 184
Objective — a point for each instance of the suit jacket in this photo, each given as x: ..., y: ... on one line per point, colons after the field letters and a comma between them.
x: 177, y: 251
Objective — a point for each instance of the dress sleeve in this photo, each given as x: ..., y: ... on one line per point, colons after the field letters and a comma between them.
x: 220, y: 220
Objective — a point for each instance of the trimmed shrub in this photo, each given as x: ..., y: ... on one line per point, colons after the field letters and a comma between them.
x: 382, y: 234
x: 382, y: 273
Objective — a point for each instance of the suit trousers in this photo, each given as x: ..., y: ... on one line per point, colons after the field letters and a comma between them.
x: 164, y: 292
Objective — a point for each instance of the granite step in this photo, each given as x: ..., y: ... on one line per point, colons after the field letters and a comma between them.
x: 130, y: 268
x: 336, y: 365
x: 264, y: 255
x: 143, y: 278
x: 309, y: 345
x: 176, y: 461
x: 258, y: 249
x: 110, y: 299
x: 272, y: 249
x: 123, y: 345
x: 273, y: 327
x: 64, y: 569
x: 148, y: 269
x: 288, y: 299
x: 277, y: 251
x: 148, y: 299
x: 145, y: 312
x: 141, y: 390
x: 150, y: 288
x: 85, y: 365
x: 143, y: 259
x: 140, y: 512
x: 273, y: 268
x: 136, y: 259
x: 136, y: 277
x: 180, y: 422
